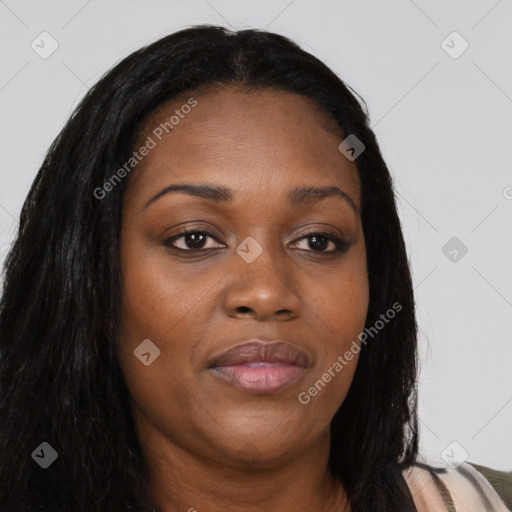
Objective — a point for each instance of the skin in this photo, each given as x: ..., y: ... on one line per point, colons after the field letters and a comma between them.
x: 209, y: 445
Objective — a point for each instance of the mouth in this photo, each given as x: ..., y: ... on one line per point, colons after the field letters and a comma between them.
x: 261, y: 367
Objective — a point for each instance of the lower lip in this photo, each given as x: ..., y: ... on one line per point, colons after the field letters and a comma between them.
x: 267, y: 378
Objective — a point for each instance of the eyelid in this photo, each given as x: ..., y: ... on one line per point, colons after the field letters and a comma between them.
x: 340, y: 242
x: 321, y: 231
x: 186, y: 231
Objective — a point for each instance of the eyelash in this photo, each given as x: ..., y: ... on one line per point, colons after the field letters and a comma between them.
x: 340, y: 244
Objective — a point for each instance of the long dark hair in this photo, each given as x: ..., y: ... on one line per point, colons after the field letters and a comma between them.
x: 60, y: 381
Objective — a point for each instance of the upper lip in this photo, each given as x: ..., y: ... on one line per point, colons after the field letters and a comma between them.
x: 277, y: 351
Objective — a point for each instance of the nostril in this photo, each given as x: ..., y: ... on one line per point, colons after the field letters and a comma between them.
x: 244, y: 309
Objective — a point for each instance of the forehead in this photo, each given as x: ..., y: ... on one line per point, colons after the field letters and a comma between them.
x: 258, y: 142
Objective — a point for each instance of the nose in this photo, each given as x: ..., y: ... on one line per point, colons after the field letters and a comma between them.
x: 264, y: 289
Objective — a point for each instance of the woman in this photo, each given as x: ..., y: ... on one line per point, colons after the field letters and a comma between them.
x: 208, y: 305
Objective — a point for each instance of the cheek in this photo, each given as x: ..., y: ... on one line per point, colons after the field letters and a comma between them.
x: 166, y: 304
x: 341, y: 304
x: 152, y: 305
x: 157, y: 297
x: 156, y: 304
x: 349, y: 306
x: 341, y: 300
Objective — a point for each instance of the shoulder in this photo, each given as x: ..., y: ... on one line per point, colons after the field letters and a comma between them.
x: 501, y: 482
x: 443, y: 488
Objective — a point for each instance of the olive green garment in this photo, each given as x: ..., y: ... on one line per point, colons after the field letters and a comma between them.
x: 500, y: 480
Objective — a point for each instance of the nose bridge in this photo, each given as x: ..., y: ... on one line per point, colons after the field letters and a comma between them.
x: 261, y: 250
x: 263, y: 281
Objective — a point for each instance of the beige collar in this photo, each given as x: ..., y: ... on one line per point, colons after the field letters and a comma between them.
x: 443, y: 488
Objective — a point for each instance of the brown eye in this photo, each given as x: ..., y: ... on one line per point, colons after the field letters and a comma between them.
x: 319, y: 242
x: 192, y: 240
x: 195, y: 240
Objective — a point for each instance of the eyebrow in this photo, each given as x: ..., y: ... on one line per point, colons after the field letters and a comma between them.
x: 297, y: 197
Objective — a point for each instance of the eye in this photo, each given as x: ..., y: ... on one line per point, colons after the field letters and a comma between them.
x: 319, y: 241
x: 193, y: 240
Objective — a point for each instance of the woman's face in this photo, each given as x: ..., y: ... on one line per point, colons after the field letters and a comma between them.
x: 260, y: 273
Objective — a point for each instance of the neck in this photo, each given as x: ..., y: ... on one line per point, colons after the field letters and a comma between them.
x: 180, y: 480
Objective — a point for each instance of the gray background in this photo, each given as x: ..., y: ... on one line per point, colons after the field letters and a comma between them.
x: 444, y: 125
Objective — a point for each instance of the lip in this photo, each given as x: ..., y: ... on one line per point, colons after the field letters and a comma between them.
x: 261, y: 367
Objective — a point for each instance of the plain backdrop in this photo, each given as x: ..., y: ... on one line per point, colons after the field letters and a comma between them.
x: 442, y: 114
